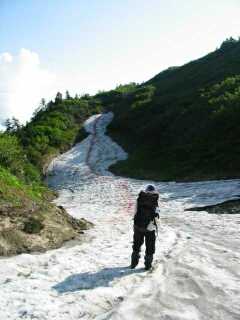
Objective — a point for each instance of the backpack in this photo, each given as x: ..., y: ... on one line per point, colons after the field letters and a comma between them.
x: 147, y: 203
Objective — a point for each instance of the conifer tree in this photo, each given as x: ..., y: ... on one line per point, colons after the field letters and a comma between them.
x: 68, y: 95
x: 58, y: 98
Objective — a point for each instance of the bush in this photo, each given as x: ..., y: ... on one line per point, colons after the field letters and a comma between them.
x: 12, y: 155
x: 33, y: 226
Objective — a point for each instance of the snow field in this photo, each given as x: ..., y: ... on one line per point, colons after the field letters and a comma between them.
x: 196, y: 267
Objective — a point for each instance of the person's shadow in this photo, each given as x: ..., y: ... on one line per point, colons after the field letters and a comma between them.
x: 87, y: 280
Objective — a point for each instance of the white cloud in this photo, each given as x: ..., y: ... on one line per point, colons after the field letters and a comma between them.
x: 23, y: 82
x: 6, y: 57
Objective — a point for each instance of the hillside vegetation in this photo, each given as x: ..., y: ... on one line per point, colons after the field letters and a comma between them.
x: 55, y: 127
x: 28, y: 221
x: 180, y: 125
x: 184, y: 123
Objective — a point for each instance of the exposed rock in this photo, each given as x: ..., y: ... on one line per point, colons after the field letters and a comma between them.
x: 37, y: 230
x: 46, y: 160
x: 5, y: 209
x: 226, y: 207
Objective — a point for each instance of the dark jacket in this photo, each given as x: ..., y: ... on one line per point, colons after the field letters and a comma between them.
x: 147, y: 202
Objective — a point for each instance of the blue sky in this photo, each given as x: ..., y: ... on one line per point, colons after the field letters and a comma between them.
x: 86, y: 46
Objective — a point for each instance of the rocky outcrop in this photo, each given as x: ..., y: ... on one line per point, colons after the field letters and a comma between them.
x: 226, y: 207
x: 37, y: 229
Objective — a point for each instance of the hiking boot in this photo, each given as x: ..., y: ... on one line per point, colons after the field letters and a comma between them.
x: 135, y: 259
x: 148, y: 262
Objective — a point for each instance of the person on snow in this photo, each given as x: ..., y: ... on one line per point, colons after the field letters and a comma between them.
x: 145, y: 226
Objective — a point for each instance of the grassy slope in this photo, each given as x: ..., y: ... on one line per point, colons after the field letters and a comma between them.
x: 16, y: 194
x: 28, y: 221
x: 176, y: 132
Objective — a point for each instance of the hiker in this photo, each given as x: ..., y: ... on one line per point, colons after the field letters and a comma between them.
x: 145, y: 226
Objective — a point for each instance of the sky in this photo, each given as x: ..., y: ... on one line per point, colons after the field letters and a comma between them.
x: 86, y: 46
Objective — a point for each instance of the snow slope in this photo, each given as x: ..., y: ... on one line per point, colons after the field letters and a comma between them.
x: 196, y: 271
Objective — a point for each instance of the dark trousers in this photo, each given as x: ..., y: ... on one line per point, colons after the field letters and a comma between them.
x: 138, y: 239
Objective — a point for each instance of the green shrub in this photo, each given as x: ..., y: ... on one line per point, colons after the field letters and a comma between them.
x: 33, y: 226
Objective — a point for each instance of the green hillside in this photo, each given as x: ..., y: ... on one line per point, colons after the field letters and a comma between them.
x: 183, y: 124
x: 28, y: 221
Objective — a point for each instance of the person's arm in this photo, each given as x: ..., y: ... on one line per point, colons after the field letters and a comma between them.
x: 136, y: 207
x: 157, y: 210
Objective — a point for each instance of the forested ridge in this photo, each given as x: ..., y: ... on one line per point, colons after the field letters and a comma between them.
x: 183, y: 124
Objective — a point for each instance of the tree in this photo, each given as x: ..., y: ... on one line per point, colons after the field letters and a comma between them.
x: 42, y: 107
x: 58, y: 98
x: 68, y: 95
x: 228, y: 43
x: 85, y: 96
x: 8, y: 125
x: 12, y: 125
x: 43, y: 102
